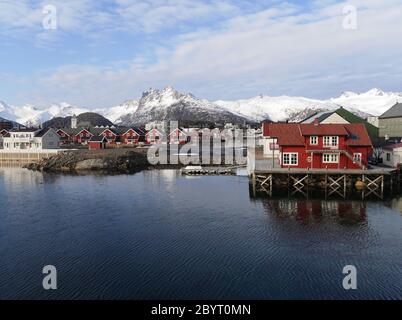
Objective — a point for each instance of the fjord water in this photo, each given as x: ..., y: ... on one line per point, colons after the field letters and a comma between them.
x: 158, y: 235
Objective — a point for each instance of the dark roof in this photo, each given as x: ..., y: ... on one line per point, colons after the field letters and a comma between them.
x: 24, y: 130
x: 394, y: 146
x: 394, y: 112
x: 42, y: 132
x: 321, y: 116
x: 97, y: 139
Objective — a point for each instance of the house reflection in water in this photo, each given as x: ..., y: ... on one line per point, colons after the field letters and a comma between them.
x: 317, y: 211
x: 396, y: 204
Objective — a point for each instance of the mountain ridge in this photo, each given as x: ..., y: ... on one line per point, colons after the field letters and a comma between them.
x: 170, y: 104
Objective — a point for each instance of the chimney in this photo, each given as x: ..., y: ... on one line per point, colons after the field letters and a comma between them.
x: 316, y: 122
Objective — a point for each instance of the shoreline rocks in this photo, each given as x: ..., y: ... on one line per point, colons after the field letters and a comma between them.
x: 111, y: 161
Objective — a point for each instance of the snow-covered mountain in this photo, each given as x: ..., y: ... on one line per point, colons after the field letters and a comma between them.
x: 169, y: 104
x: 119, y: 113
x: 276, y: 108
x: 30, y: 115
x: 374, y: 101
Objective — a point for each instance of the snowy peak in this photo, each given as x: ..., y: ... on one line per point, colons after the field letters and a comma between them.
x: 170, y: 104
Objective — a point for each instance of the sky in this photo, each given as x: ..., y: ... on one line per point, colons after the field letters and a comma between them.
x: 99, y: 53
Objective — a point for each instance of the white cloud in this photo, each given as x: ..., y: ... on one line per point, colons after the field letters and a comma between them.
x: 284, y: 49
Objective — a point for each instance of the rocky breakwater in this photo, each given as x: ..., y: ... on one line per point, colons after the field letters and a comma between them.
x: 117, y: 160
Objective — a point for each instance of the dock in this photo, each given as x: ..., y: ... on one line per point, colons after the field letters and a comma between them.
x: 334, y: 182
x: 200, y: 170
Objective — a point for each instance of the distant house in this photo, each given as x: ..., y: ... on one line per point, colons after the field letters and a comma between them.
x: 129, y: 136
x: 154, y: 136
x: 342, y: 116
x: 31, y: 140
x: 390, y: 122
x: 319, y: 146
x: 177, y: 136
x: 392, y: 155
x: 97, y: 142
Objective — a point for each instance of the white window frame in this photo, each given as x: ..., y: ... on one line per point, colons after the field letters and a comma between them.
x: 357, y: 157
x: 330, y: 158
x: 290, y: 162
x: 314, y: 140
x: 329, y: 141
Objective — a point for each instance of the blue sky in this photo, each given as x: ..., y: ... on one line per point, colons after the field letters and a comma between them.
x: 107, y: 51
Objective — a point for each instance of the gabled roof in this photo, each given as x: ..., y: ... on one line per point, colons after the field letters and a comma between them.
x: 394, y: 146
x: 98, y: 139
x: 293, y: 134
x: 123, y: 130
x: 29, y: 130
x: 393, y: 112
x: 154, y: 129
x: 175, y: 129
x: 42, y: 132
x: 321, y: 116
x: 288, y: 134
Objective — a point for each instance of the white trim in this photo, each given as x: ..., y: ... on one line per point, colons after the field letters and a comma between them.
x: 290, y: 158
x: 331, y: 140
x: 84, y: 130
x: 311, y: 140
x: 330, y: 156
x: 109, y: 130
x: 360, y: 157
x: 129, y: 130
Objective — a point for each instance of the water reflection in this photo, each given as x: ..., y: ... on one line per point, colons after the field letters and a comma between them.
x: 317, y: 211
x: 396, y: 204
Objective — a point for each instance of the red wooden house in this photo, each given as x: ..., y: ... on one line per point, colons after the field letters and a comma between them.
x: 129, y: 136
x: 177, y: 136
x: 65, y: 136
x: 110, y: 135
x: 154, y: 136
x: 83, y: 136
x: 97, y: 142
x: 320, y: 146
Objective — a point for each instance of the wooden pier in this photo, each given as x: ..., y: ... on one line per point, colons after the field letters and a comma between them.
x: 334, y: 182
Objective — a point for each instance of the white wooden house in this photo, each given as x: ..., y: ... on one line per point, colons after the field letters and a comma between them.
x: 392, y: 155
x: 31, y: 140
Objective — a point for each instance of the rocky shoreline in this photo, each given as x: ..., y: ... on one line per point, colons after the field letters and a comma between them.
x: 104, y: 160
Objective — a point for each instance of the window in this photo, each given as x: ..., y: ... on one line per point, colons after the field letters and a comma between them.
x: 290, y: 159
x: 388, y: 156
x: 331, y: 141
x: 330, y: 158
x: 314, y: 140
x: 357, y: 157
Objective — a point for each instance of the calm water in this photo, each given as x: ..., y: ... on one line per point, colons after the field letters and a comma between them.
x: 157, y: 235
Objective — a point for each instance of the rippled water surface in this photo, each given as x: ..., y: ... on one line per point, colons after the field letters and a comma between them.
x: 157, y: 235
